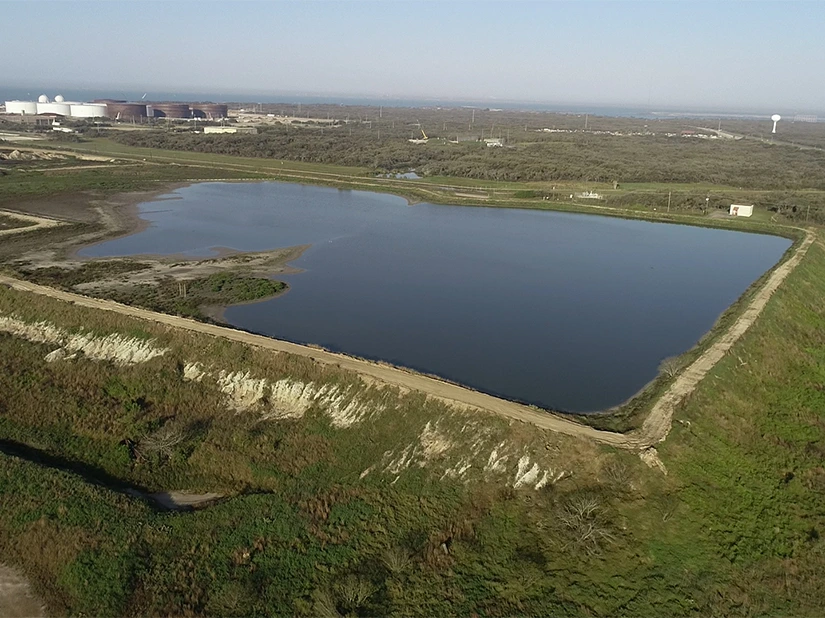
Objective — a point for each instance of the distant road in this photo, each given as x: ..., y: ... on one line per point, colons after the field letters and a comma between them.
x: 655, y: 428
x: 777, y: 142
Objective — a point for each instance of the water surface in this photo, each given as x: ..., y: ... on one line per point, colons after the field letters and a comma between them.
x: 567, y: 311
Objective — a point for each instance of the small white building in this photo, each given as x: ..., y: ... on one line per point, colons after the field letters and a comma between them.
x: 741, y: 210
x: 249, y: 130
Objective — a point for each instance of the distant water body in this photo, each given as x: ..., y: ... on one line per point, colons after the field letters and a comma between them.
x: 217, y: 96
x: 566, y: 311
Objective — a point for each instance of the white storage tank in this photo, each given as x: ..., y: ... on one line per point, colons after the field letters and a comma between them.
x: 88, y: 110
x: 64, y: 109
x: 21, y: 107
x: 741, y: 210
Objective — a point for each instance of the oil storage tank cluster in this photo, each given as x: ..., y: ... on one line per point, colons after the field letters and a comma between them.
x: 88, y: 110
x: 21, y: 107
x: 118, y: 109
x: 210, y: 111
x: 171, y: 110
x: 59, y: 106
x: 122, y: 110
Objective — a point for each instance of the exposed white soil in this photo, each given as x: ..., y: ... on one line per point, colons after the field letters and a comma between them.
x: 193, y: 372
x: 433, y: 443
x: 242, y: 391
x: 497, y: 462
x: 467, y: 461
x: 116, y: 348
x: 651, y: 457
x: 16, y: 597
x: 283, y: 399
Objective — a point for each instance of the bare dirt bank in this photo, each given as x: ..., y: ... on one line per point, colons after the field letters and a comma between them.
x: 16, y: 597
x: 655, y: 428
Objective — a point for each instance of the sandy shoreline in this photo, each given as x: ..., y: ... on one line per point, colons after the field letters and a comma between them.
x: 123, y: 218
x: 119, y: 216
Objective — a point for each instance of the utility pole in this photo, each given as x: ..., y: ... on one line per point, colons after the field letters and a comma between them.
x: 668, y: 200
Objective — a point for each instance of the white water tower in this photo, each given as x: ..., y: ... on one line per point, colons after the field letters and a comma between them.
x: 776, y: 118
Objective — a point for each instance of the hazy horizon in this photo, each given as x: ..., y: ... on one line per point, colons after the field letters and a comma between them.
x: 664, y: 55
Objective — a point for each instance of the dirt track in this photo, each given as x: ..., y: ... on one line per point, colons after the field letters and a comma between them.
x: 657, y: 425
x: 655, y: 428
x: 38, y: 223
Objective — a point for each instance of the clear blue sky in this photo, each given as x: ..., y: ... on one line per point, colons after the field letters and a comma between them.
x: 721, y: 54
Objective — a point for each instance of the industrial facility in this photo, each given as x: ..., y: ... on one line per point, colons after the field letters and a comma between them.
x: 117, y: 110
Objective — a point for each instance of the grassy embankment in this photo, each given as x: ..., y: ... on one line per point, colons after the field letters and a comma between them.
x: 734, y: 529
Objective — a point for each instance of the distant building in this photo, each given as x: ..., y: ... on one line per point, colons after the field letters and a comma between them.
x: 493, y: 142
x: 215, y: 130
x: 34, y: 120
x: 741, y: 210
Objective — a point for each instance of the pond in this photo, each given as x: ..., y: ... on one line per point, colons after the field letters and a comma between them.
x: 565, y: 311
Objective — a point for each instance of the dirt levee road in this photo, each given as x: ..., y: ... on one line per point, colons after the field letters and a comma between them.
x: 654, y: 429
x: 32, y: 223
x: 657, y: 425
x: 387, y: 374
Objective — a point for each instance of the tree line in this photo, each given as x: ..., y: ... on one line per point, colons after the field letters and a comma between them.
x: 561, y: 157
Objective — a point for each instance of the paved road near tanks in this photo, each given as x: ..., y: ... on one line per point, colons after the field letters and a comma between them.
x: 654, y: 429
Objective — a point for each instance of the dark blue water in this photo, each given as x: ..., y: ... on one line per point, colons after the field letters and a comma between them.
x: 566, y: 311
